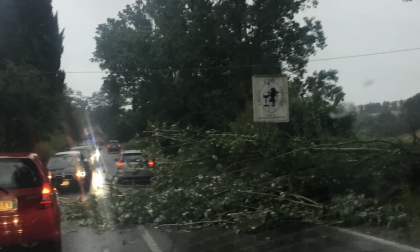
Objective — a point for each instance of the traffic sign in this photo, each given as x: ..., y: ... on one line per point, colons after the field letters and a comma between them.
x: 271, y: 98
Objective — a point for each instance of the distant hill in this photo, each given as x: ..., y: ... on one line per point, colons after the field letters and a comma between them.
x: 376, y: 108
x: 382, y: 119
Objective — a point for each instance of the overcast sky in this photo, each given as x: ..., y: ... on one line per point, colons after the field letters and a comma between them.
x: 352, y: 27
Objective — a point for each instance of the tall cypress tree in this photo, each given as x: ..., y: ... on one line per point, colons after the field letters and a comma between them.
x: 30, y: 56
x: 29, y: 34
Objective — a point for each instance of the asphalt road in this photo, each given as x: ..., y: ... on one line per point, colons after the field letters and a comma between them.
x: 77, y: 239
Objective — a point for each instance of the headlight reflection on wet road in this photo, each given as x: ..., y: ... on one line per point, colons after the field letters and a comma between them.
x: 97, y: 154
x: 97, y: 180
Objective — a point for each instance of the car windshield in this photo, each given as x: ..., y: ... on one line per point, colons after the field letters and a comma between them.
x: 85, y: 152
x: 62, y: 161
x: 19, y: 173
x: 131, y: 157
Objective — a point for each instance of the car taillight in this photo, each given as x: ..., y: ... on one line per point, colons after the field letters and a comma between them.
x: 47, y: 197
x: 119, y: 165
x: 109, y: 145
x: 151, y: 163
x: 119, y: 145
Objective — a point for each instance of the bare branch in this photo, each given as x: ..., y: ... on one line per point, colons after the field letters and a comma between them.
x: 347, y: 150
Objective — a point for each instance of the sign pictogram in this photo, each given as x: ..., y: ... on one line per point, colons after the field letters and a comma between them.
x: 271, y: 98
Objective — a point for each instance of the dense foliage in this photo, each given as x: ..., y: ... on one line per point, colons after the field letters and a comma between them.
x: 31, y: 81
x: 411, y: 113
x: 253, y: 177
x: 191, y: 62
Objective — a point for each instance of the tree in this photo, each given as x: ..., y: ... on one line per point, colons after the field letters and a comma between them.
x: 31, y: 36
x: 411, y: 112
x: 386, y: 124
x: 191, y: 62
x: 25, y: 108
x: 316, y: 107
x: 72, y: 115
x: 30, y: 45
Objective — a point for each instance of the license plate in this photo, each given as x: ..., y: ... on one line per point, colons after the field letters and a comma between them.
x: 65, y: 183
x: 8, y: 205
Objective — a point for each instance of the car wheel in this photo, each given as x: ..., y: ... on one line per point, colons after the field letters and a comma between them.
x: 53, y: 246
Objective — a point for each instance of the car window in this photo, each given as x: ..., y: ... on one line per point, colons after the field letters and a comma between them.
x: 85, y: 152
x: 131, y: 157
x: 19, y: 173
x: 63, y: 161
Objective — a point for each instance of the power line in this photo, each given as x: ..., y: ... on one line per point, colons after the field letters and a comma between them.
x: 368, y: 54
x: 242, y: 66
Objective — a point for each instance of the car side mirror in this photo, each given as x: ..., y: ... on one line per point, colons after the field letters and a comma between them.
x: 116, y: 159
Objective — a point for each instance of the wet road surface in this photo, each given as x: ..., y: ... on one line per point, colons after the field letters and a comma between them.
x: 86, y: 239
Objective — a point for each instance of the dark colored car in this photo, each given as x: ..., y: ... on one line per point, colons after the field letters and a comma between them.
x: 100, y: 142
x: 69, y: 169
x: 29, y: 212
x: 88, y: 152
x: 114, y: 146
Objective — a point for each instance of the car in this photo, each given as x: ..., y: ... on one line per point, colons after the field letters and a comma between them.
x: 89, y: 152
x: 100, y: 142
x: 130, y: 165
x: 29, y: 211
x: 114, y: 146
x: 70, y: 169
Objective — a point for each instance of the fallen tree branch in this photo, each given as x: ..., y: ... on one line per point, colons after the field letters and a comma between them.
x: 196, y: 223
x: 284, y: 198
x: 347, y: 150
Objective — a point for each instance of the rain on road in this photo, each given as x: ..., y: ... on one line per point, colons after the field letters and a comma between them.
x: 86, y: 239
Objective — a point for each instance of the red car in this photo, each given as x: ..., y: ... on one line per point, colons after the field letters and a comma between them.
x: 29, y: 212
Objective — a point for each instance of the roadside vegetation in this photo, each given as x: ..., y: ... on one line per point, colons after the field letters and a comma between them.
x: 214, y: 166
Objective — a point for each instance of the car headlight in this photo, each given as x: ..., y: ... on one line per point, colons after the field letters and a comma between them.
x: 80, y: 174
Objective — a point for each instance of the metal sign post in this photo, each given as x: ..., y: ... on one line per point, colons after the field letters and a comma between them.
x: 271, y: 98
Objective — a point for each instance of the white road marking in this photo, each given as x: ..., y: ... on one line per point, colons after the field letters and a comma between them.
x: 379, y: 240
x: 148, y: 239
